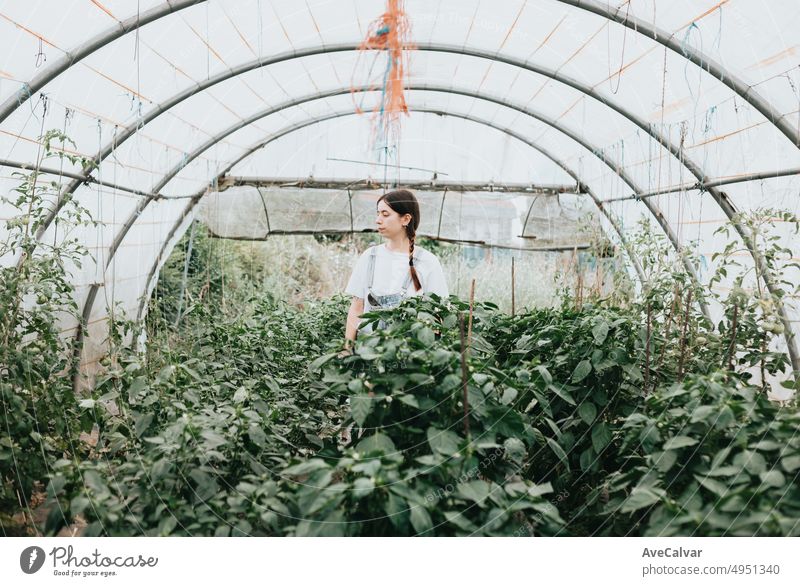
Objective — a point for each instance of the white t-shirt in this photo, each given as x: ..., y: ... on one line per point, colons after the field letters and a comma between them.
x: 391, y: 269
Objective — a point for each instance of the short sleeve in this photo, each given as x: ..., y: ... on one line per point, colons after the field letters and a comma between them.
x: 436, y: 282
x: 358, y: 278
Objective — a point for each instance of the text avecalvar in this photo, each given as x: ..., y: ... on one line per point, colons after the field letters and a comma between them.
x: 671, y: 553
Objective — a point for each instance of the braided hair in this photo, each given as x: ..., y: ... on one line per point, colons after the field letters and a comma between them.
x: 403, y: 202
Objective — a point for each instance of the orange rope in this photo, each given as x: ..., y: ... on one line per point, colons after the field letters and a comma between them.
x: 391, y: 33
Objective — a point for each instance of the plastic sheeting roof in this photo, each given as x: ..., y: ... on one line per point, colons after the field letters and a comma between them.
x: 624, y: 98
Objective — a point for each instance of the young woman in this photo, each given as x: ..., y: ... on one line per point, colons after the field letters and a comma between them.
x: 387, y: 273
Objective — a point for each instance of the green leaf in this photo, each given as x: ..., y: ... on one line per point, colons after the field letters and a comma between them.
x: 142, y: 422
x: 703, y: 413
x: 396, y: 510
x: 639, y: 499
x: 679, y: 441
x: 558, y: 451
x: 450, y: 382
x: 540, y: 489
x: 581, y: 371
x: 509, y: 395
x: 791, y: 463
x: 514, y: 449
x: 601, y: 436
x: 368, y: 353
x: 442, y: 441
x: 545, y: 374
x: 376, y: 443
x: 714, y: 486
x: 600, y: 332
x: 773, y: 478
x: 475, y: 490
x: 306, y: 467
x: 420, y: 519
x: 361, y: 407
x: 633, y: 372
x: 426, y: 336
x: 753, y: 462
x: 409, y: 400
x: 363, y: 487
x: 666, y: 460
x: 257, y: 436
x: 587, y: 459
x: 563, y: 393
x: 724, y: 418
x: 587, y: 411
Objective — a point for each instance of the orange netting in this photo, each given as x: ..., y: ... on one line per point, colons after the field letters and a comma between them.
x: 390, y: 33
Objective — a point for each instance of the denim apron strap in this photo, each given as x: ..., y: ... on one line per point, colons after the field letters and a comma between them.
x: 371, y: 274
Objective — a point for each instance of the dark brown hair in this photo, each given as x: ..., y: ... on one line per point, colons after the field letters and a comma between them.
x: 403, y: 202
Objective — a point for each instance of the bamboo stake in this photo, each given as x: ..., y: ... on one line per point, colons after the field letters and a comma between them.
x: 513, y: 288
x: 732, y: 345
x: 464, y: 373
x: 683, y: 334
x: 471, y: 305
x: 647, y: 347
x: 672, y: 310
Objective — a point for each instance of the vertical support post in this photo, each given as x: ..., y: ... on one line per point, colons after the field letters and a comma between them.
x: 471, y: 305
x: 185, y: 274
x: 441, y: 211
x: 513, y: 288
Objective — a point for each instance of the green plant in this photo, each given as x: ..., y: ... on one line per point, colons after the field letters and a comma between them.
x: 40, y: 422
x: 709, y: 456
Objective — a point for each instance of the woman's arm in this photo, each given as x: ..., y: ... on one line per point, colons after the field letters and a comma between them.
x: 353, y: 319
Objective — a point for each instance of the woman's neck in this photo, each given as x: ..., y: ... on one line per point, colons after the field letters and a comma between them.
x: 400, y: 243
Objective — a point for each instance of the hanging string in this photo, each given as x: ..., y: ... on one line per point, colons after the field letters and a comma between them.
x: 208, y: 45
x: 100, y: 241
x: 718, y: 38
x: 114, y: 223
x: 684, y: 45
x: 390, y: 34
x: 40, y: 56
x: 661, y: 123
x: 797, y: 95
x: 67, y: 117
x: 614, y: 90
x: 136, y: 54
x: 260, y: 35
x: 683, y: 131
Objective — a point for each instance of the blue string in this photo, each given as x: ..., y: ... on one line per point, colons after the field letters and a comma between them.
x: 684, y: 44
x: 24, y: 94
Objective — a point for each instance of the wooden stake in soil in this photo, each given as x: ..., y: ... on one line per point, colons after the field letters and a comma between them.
x: 732, y: 345
x: 672, y: 309
x: 647, y: 347
x: 683, y: 334
x: 464, y: 373
x: 471, y: 305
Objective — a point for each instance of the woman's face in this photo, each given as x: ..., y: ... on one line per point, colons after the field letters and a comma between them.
x: 390, y: 223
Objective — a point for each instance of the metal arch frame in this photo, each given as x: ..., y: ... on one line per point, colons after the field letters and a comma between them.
x: 718, y: 196
x: 704, y: 62
x: 145, y: 119
x: 639, y: 26
x: 131, y: 129
x: 293, y: 128
x: 85, y: 49
x: 657, y: 214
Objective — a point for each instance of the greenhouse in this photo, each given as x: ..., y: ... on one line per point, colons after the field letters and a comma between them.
x: 594, y: 205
